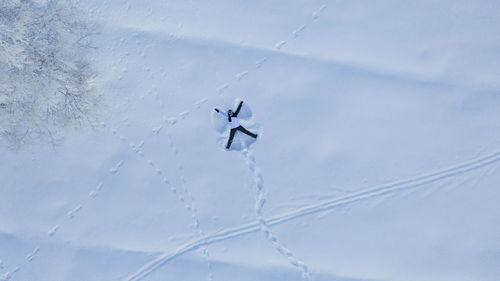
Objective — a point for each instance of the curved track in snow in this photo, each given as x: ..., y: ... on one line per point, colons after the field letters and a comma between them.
x: 319, y: 207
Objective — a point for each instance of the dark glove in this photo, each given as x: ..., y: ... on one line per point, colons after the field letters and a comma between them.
x: 216, y: 109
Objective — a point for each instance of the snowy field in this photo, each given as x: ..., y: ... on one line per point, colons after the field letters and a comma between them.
x: 378, y: 157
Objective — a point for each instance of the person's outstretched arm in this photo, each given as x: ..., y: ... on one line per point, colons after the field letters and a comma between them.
x: 238, y: 109
x: 220, y: 112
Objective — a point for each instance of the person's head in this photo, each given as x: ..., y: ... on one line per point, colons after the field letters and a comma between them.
x: 230, y: 112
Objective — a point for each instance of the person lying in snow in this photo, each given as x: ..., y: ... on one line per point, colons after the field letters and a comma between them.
x: 235, y: 124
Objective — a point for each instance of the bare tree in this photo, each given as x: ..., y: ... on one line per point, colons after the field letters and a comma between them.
x: 46, y: 76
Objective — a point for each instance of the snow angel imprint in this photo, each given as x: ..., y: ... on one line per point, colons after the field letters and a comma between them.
x: 231, y: 117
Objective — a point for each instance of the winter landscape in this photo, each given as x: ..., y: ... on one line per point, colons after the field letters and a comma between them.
x: 377, y: 156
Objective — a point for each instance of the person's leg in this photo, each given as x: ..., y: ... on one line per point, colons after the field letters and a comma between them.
x: 243, y: 130
x: 231, y: 137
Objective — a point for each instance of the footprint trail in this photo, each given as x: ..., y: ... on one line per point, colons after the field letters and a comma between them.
x: 264, y: 227
x: 316, y: 208
x: 184, y: 195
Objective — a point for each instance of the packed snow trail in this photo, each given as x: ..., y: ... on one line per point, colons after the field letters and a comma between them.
x: 320, y: 207
x: 259, y: 205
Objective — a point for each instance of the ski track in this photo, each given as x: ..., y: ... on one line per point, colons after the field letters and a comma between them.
x: 183, y: 195
x: 317, y: 208
x: 260, y: 201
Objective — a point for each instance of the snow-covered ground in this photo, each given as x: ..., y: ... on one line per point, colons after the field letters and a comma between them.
x: 378, y: 156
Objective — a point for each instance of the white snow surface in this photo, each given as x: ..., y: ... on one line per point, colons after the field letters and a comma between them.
x: 380, y: 159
